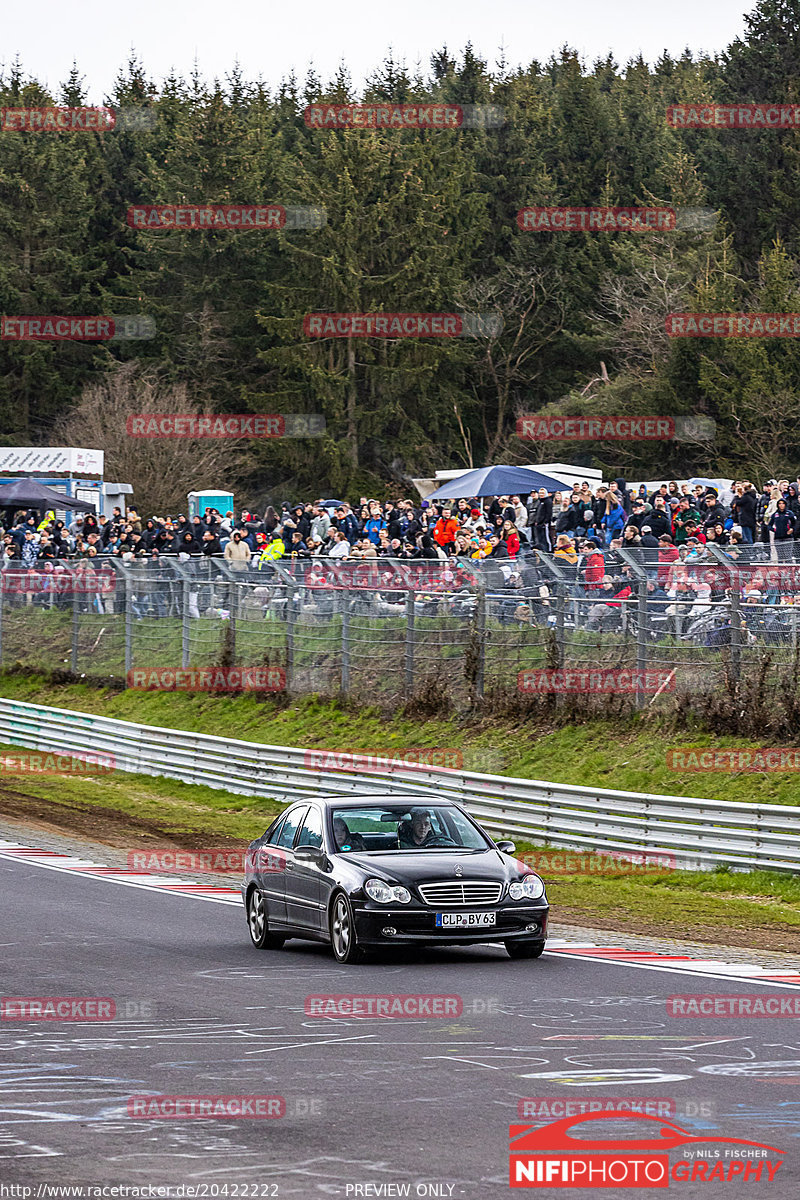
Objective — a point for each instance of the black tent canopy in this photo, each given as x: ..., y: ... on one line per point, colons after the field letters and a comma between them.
x: 29, y: 493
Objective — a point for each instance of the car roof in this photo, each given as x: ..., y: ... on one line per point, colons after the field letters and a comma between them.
x: 334, y: 801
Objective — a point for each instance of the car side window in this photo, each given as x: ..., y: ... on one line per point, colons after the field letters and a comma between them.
x: 311, y: 833
x: 289, y: 828
x: 272, y: 838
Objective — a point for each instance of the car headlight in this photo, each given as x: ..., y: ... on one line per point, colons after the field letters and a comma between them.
x: 386, y: 893
x: 530, y: 887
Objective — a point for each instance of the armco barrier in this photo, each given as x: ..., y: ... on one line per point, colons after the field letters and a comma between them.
x: 701, y: 834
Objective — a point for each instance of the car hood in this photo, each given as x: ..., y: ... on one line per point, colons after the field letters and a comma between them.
x: 421, y: 866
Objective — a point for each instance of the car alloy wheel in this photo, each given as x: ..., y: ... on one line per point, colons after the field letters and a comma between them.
x: 342, y: 929
x: 260, y: 936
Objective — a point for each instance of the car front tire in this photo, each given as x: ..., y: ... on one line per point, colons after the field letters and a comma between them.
x: 260, y: 935
x: 342, y: 930
x: 524, y: 949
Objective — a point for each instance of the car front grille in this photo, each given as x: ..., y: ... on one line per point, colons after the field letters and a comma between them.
x: 461, y: 892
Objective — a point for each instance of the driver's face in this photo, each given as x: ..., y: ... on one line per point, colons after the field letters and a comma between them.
x: 420, y: 826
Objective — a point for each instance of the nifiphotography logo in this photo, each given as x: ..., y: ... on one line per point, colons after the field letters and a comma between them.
x: 549, y: 1156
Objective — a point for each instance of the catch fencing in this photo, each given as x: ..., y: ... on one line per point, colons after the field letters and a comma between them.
x: 391, y: 628
x: 699, y: 834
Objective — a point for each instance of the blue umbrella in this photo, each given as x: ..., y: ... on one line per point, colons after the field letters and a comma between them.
x: 497, y: 481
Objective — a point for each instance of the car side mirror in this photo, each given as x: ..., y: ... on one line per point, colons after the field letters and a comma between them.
x: 310, y: 853
x: 506, y: 847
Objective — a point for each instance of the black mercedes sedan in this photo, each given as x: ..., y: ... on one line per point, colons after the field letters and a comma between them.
x: 370, y: 871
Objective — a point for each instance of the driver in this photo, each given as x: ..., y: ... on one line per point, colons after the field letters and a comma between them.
x: 418, y: 833
x: 345, y: 840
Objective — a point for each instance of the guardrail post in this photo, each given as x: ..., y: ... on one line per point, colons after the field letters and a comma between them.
x: 345, y: 684
x: 75, y: 626
x: 128, y: 625
x: 185, y: 643
x: 410, y: 635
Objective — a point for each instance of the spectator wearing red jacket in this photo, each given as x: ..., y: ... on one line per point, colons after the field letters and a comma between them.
x: 595, y: 567
x: 667, y: 553
x: 444, y: 533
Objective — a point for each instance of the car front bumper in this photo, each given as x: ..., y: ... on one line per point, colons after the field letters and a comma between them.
x: 419, y: 925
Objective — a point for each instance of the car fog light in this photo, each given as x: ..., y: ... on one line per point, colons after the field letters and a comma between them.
x: 389, y: 931
x: 533, y: 927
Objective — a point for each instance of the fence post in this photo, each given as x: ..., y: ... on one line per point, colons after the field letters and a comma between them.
x: 289, y: 635
x: 410, y: 634
x: 128, y: 625
x: 75, y: 626
x: 480, y: 629
x: 736, y: 634
x: 185, y: 642
x: 561, y: 604
x: 345, y: 681
x: 643, y: 634
x: 2, y: 596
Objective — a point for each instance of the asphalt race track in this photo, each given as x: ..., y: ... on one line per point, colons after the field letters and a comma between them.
x: 373, y: 1105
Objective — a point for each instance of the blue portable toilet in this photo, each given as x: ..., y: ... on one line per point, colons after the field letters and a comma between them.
x: 212, y: 498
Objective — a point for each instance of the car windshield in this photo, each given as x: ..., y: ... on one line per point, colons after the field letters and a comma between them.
x: 415, y: 827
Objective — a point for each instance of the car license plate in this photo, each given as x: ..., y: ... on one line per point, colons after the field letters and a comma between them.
x: 461, y: 920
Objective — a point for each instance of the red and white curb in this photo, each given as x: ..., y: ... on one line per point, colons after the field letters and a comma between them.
x: 655, y: 961
x: 51, y: 860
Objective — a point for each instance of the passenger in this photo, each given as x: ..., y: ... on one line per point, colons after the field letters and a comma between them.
x: 345, y: 840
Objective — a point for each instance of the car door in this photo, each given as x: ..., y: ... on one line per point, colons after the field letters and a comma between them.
x: 304, y: 876
x: 272, y: 859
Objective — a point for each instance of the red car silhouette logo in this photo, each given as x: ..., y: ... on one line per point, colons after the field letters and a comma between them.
x: 666, y: 1135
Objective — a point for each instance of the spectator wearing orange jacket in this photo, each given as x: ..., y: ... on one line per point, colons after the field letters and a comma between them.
x: 444, y: 533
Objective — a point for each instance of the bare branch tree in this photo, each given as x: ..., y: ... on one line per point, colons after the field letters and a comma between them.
x: 162, y: 470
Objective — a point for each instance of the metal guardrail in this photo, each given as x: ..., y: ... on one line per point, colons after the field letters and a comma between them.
x: 700, y: 834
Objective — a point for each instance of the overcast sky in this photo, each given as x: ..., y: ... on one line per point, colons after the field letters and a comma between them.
x: 270, y: 39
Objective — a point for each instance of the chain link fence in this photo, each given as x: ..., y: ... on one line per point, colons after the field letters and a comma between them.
x: 383, y: 629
